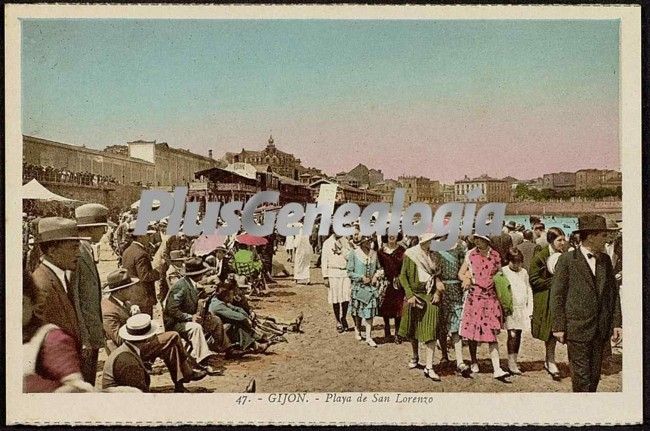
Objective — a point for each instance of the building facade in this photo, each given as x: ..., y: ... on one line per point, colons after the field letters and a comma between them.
x: 420, y: 189
x: 560, y: 181
x: 598, y: 178
x: 172, y: 166
x: 125, y: 170
x: 281, y: 163
x: 493, y: 189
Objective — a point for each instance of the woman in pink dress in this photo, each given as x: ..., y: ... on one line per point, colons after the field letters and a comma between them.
x: 482, y: 315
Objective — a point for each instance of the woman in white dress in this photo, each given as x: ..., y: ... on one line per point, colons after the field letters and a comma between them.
x: 302, y: 258
x: 335, y: 275
x: 522, y: 305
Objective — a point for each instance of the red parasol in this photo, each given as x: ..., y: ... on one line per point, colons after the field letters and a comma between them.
x: 249, y: 239
x: 206, y: 244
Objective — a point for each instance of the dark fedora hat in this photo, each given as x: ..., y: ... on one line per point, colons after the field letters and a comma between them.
x: 118, y: 279
x: 194, y: 266
x: 592, y: 223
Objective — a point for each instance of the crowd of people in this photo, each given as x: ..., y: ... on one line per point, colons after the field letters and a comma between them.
x: 561, y: 289
x: 51, y: 174
x: 564, y: 289
x: 202, y: 295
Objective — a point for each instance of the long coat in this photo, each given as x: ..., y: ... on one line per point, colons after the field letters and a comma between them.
x: 540, y: 282
x: 137, y: 261
x: 182, y: 303
x: 584, y: 306
x: 53, y: 305
x: 87, y: 291
x: 417, y: 323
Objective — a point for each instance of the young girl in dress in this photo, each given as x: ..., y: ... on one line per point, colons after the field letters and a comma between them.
x: 522, y: 304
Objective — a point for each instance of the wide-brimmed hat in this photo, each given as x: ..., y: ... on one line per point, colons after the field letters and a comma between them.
x: 194, y: 266
x: 150, y: 228
x: 592, y: 223
x: 118, y: 279
x: 612, y: 225
x: 89, y: 215
x: 429, y: 235
x: 58, y: 229
x: 177, y: 256
x: 511, y: 225
x: 138, y: 327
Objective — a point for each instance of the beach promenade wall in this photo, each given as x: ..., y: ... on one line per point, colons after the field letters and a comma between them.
x: 559, y: 208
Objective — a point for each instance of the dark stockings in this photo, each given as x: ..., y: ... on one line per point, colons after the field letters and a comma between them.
x: 514, y: 340
x: 472, y: 350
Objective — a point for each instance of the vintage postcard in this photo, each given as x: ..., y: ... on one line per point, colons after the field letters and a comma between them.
x: 344, y: 215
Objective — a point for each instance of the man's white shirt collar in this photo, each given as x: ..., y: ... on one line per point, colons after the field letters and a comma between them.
x: 60, y: 273
x: 591, y: 261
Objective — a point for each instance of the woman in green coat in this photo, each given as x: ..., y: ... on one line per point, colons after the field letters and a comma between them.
x: 540, y: 281
x: 420, y: 278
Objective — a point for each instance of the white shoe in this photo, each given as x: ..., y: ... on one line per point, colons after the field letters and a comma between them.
x: 357, y: 335
x: 430, y: 374
x: 501, y: 375
x: 414, y: 363
x: 371, y: 342
x: 552, y: 368
x: 474, y: 367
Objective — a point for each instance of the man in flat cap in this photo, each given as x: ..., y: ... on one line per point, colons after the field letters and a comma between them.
x: 585, y: 303
x: 58, y: 238
x: 92, y: 222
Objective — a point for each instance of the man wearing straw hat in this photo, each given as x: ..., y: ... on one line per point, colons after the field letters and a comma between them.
x: 92, y: 221
x: 585, y: 303
x: 116, y: 310
x: 58, y: 239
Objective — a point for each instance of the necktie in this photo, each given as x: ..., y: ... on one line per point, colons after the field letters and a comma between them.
x: 589, y: 256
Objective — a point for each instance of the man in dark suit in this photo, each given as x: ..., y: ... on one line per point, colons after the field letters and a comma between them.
x: 92, y: 221
x: 117, y: 307
x: 137, y: 261
x: 58, y: 239
x: 183, y: 315
x: 585, y: 303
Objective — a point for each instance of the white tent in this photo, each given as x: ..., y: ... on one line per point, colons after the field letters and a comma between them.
x: 35, y: 190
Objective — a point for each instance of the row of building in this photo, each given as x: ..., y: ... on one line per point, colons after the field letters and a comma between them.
x: 239, y: 175
x: 582, y: 180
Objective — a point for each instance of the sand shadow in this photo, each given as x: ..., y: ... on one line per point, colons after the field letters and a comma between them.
x: 279, y: 293
x: 170, y: 389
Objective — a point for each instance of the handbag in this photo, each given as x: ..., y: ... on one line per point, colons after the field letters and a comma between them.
x: 364, y: 294
x: 504, y: 292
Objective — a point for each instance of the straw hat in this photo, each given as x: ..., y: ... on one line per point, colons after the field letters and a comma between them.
x: 58, y: 229
x: 90, y: 215
x: 138, y: 327
x: 177, y: 256
x: 118, y: 279
x: 194, y: 266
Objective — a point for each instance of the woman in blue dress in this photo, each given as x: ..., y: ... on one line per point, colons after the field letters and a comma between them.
x: 362, y: 266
